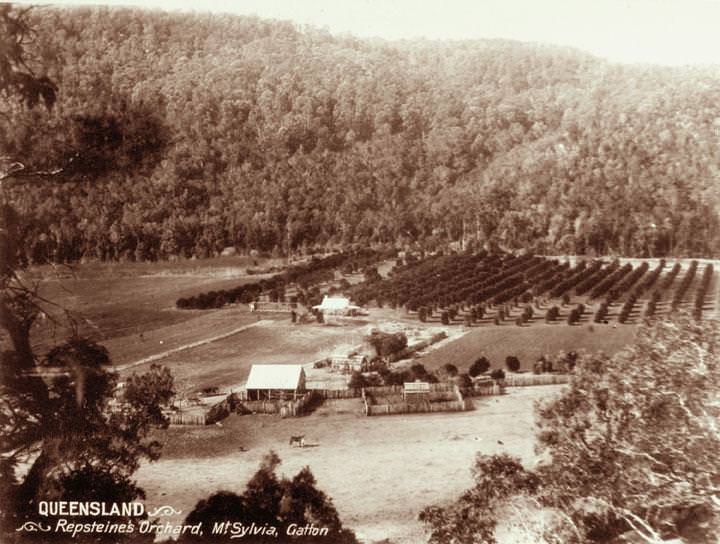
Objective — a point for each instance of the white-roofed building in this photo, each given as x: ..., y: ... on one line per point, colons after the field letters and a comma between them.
x: 275, y: 382
x: 338, y: 305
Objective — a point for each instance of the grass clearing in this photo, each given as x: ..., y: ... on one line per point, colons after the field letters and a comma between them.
x: 226, y: 363
x: 106, y: 307
x: 380, y: 471
x: 527, y: 343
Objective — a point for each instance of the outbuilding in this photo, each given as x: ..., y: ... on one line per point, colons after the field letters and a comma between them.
x: 338, y: 306
x: 267, y: 382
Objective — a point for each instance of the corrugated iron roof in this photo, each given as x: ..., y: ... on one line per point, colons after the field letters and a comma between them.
x: 333, y: 303
x: 274, y: 377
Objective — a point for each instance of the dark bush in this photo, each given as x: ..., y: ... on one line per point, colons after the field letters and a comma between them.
x: 497, y: 374
x: 480, y: 365
x: 386, y: 343
x: 512, y: 363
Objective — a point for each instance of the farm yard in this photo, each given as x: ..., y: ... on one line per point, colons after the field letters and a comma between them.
x: 211, y: 340
x: 427, y: 457
x: 443, y: 445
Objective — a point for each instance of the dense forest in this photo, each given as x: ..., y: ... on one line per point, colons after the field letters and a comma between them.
x: 183, y: 134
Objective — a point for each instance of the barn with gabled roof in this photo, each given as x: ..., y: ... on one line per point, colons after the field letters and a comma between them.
x: 267, y: 382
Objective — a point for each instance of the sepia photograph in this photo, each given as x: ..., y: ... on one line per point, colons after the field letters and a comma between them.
x: 360, y: 272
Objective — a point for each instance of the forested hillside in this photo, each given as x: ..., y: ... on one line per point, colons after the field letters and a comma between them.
x: 182, y: 134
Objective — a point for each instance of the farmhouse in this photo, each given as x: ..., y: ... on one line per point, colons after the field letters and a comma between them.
x: 268, y: 382
x: 338, y: 306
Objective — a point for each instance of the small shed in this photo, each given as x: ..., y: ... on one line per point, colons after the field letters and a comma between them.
x: 349, y: 364
x: 268, y: 382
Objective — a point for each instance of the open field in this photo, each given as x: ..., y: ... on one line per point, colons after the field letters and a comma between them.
x: 226, y: 363
x: 379, y: 471
x: 527, y: 343
x: 110, y: 301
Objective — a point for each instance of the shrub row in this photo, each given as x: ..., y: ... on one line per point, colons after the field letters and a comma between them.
x: 592, y: 280
x: 561, y: 273
x: 652, y: 304
x: 651, y: 278
x: 601, y: 313
x: 670, y: 278
x: 304, y: 275
x: 582, y: 273
x: 627, y: 308
x: 702, y: 291
x: 610, y: 280
x: 684, y: 284
x: 575, y: 314
x: 627, y: 282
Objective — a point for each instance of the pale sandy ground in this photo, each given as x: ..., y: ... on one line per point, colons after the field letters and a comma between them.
x: 380, y: 471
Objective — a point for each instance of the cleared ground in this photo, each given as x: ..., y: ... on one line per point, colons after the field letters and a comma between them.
x: 226, y: 363
x: 380, y: 471
x: 107, y: 301
x: 528, y: 343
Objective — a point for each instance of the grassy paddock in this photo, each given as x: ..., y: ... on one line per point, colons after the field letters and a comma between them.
x: 106, y: 307
x: 226, y: 362
x: 527, y: 344
x: 402, y: 463
x: 98, y: 269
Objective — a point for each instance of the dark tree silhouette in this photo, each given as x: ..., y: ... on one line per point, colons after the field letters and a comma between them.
x: 279, y: 505
x: 481, y: 364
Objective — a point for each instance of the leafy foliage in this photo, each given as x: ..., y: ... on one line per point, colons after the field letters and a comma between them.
x: 17, y: 78
x: 628, y: 447
x: 631, y: 441
x: 340, y: 141
x: 385, y: 343
x: 512, y: 363
x: 481, y: 364
x: 472, y: 518
x: 275, y: 501
x: 80, y: 442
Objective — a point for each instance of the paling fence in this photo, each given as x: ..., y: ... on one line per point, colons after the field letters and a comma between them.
x: 440, y: 397
x: 382, y: 400
x: 485, y: 390
x: 187, y: 419
x: 331, y: 394
x: 275, y: 307
x: 523, y: 380
x: 285, y: 408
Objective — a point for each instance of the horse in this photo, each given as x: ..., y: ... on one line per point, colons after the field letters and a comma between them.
x: 298, y: 441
